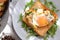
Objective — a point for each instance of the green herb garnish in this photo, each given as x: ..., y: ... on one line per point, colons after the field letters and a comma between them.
x: 29, y: 30
x: 20, y: 17
x: 46, y: 37
x: 51, y: 32
x: 51, y: 6
x: 29, y: 4
x: 25, y: 26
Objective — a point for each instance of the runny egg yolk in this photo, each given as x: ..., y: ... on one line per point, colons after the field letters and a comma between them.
x: 42, y: 21
x: 42, y: 18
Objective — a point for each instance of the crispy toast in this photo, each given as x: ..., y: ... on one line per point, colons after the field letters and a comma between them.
x: 40, y: 30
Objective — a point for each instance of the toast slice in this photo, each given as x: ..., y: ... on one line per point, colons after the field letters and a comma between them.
x: 40, y: 30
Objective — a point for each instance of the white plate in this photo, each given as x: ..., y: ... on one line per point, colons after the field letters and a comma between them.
x: 19, y: 8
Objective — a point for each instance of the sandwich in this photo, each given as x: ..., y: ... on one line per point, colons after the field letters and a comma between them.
x: 2, y: 6
x: 39, y: 18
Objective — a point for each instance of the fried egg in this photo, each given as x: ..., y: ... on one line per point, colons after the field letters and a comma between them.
x: 42, y: 19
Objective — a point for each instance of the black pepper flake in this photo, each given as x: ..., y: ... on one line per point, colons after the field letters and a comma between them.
x: 8, y: 38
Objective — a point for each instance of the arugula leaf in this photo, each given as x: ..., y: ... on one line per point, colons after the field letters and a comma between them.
x: 31, y: 31
x: 51, y: 6
x: 45, y: 38
x: 56, y: 10
x: 29, y: 4
x: 52, y: 30
x: 46, y: 3
x: 20, y: 17
x: 25, y: 26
